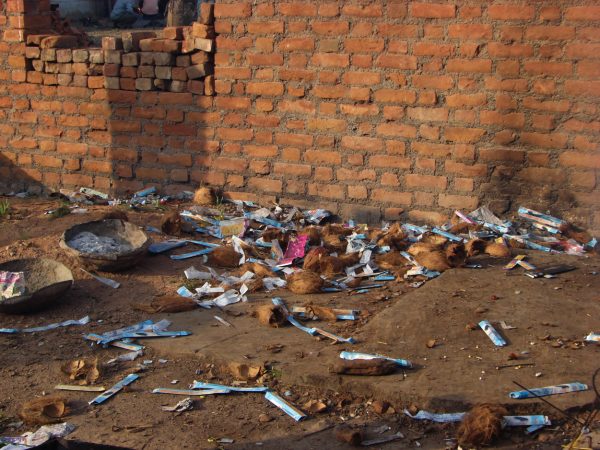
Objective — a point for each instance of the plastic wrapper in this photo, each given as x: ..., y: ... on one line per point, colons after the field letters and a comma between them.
x: 114, y: 390
x: 495, y: 337
x: 12, y: 284
x: 67, y: 323
x: 549, y: 390
x: 350, y: 356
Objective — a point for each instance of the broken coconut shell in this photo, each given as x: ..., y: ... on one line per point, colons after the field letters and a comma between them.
x: 204, y: 196
x: 497, y: 250
x: 305, y: 282
x: 376, y: 366
x: 244, y: 372
x: 167, y: 304
x: 258, y: 269
x: 224, y: 257
x: 348, y: 435
x: 481, y: 426
x: 433, y: 261
x: 271, y: 315
x: 314, y: 407
x: 456, y: 254
x: 171, y: 223
x: 84, y: 370
x: 475, y: 247
x: 44, y: 410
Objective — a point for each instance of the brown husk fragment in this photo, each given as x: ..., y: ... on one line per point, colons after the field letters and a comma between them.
x: 305, y: 282
x: 497, y: 250
x: 337, y: 230
x: 244, y: 372
x: 421, y: 247
x: 275, y: 234
x: 167, y: 304
x: 433, y: 261
x: 481, y: 426
x: 44, y: 410
x: 258, y: 269
x: 581, y: 236
x: 475, y: 247
x: 348, y: 435
x: 322, y: 312
x: 171, y: 223
x: 434, y: 239
x: 334, y: 243
x: 456, y: 254
x: 314, y: 236
x: 314, y: 407
x: 330, y: 265
x: 390, y: 260
x: 377, y: 366
x: 224, y: 257
x: 84, y: 370
x: 312, y: 259
x: 271, y: 315
x: 204, y: 196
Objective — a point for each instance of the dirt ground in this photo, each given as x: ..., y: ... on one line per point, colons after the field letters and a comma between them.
x: 551, y: 317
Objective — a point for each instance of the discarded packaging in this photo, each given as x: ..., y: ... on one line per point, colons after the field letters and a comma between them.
x: 286, y: 407
x: 12, y: 284
x: 68, y: 387
x: 186, y: 404
x: 40, y: 436
x: 107, y: 281
x: 382, y: 440
x: 436, y: 417
x: 492, y: 333
x: 366, y: 356
x: 592, y: 337
x: 549, y: 390
x: 379, y: 366
x: 115, y: 389
x: 67, y: 323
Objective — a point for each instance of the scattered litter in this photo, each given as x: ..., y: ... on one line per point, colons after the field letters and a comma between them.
x: 382, y: 440
x: 505, y: 326
x: 12, y: 284
x: 549, y: 390
x: 350, y: 356
x: 223, y: 321
x: 190, y: 392
x: 107, y: 281
x: 84, y: 370
x: 67, y: 323
x: 115, y: 389
x: 592, y: 337
x: 378, y: 366
x: 492, y: 333
x: 436, y: 417
x: 146, y: 329
x: 286, y: 407
x: 40, y: 436
x: 68, y: 387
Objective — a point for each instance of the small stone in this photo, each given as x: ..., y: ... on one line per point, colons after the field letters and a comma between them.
x: 431, y: 343
x: 481, y: 310
x: 264, y: 418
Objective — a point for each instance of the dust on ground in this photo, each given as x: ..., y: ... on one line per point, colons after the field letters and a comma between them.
x: 551, y: 317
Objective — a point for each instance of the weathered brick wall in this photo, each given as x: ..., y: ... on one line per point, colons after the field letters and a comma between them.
x: 365, y: 107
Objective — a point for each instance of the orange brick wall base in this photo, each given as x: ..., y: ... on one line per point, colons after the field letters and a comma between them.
x: 375, y: 109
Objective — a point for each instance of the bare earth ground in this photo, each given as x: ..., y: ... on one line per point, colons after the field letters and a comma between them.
x: 458, y: 372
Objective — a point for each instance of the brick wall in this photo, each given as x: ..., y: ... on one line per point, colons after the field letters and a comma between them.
x: 374, y: 109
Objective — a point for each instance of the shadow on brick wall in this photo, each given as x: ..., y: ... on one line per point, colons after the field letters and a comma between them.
x: 18, y: 179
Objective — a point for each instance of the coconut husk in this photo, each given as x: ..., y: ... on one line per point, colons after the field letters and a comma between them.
x: 313, y: 257
x: 44, y: 410
x: 390, y: 260
x: 419, y: 247
x: 377, y: 366
x: 330, y: 265
x: 275, y: 234
x: 400, y: 272
x: 481, y: 426
x: 244, y: 372
x: 497, y: 250
x: 171, y: 223
x: 305, y: 282
x: 456, y: 254
x: 581, y: 236
x: 116, y: 214
x: 84, y: 371
x: 475, y: 247
x: 224, y: 257
x: 258, y: 269
x: 314, y: 235
x: 254, y: 285
x: 348, y: 435
x: 334, y: 242
x: 322, y: 312
x: 516, y: 244
x: 335, y: 229
x: 434, y: 239
x: 204, y: 196
x: 354, y: 282
x: 167, y: 304
x: 271, y: 315
x: 395, y: 237
x: 314, y: 407
x: 433, y: 261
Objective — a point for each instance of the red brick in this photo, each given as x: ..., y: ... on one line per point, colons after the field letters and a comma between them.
x: 393, y: 197
x: 397, y: 62
x: 458, y: 201
x: 389, y: 161
x: 432, y: 10
x: 582, y: 88
x: 583, y: 13
x: 465, y: 135
x: 428, y: 114
x: 462, y: 100
x: 297, y: 44
x: 362, y: 143
x: 542, y: 175
x: 433, y: 81
x: 331, y: 28
x: 265, y: 185
x: 395, y: 96
x: 511, y: 12
x: 269, y: 89
x: 330, y: 60
x: 72, y: 148
x: 322, y: 157
x: 372, y: 10
x: 363, y: 45
x: 552, y: 140
x: 299, y: 140
x: 432, y: 49
x: 298, y: 9
x: 398, y: 31
x: 511, y: 120
x: 470, y: 31
x: 233, y: 10
x: 397, y: 129
x: 496, y: 49
x: 552, y: 33
x: 548, y: 68
x: 299, y: 170
x: 469, y: 65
